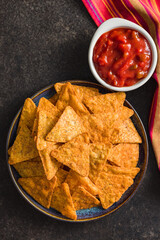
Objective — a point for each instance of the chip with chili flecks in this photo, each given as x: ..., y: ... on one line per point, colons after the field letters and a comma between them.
x: 28, y: 114
x: 23, y: 148
x: 112, y: 187
x: 82, y: 199
x: 75, y: 154
x: 62, y: 201
x: 39, y: 188
x: 50, y: 164
x: 67, y: 127
x: 30, y: 168
x: 74, y: 180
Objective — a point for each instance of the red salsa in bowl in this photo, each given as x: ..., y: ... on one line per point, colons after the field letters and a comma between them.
x: 122, y: 57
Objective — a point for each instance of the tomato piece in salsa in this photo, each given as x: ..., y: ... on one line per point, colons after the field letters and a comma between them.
x: 122, y: 57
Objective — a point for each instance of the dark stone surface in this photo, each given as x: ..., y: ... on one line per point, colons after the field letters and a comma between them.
x: 43, y: 42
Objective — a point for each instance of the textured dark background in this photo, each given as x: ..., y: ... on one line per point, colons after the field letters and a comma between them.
x: 43, y: 42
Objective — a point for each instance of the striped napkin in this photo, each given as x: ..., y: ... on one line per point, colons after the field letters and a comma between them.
x: 145, y: 13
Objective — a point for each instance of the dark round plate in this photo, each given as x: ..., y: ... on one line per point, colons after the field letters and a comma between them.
x: 93, y: 213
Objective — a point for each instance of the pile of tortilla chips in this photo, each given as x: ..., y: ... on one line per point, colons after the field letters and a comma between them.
x: 77, y: 150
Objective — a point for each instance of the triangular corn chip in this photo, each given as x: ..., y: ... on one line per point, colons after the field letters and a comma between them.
x: 132, y: 172
x: 9, y: 150
x: 30, y: 168
x: 106, y: 102
x: 68, y: 97
x: 39, y: 188
x: 112, y: 187
x: 83, y: 93
x: 54, y: 99
x: 47, y: 106
x: 75, y: 154
x: 62, y: 201
x: 68, y: 126
x: 50, y: 164
x: 126, y: 133
x: 124, y: 155
x: 28, y: 114
x: 74, y: 180
x: 61, y: 175
x: 97, y: 156
x: 82, y: 199
x: 24, y: 147
x: 46, y: 122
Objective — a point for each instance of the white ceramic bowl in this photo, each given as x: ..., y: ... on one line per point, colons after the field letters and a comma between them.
x: 121, y: 23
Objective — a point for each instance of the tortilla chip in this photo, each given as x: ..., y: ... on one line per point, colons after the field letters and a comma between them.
x: 30, y: 169
x: 68, y: 126
x: 68, y: 97
x: 98, y: 156
x: 125, y: 133
x: 24, y: 147
x: 46, y: 122
x: 44, y: 105
x: 35, y: 127
x: 61, y: 175
x: 50, y: 164
x: 123, y: 113
x: 75, y: 154
x: 9, y: 151
x: 106, y: 102
x: 132, y: 172
x: 28, y: 114
x: 125, y: 155
x: 39, y: 188
x: 54, y: 99
x: 74, y: 180
x: 83, y: 93
x: 82, y: 199
x: 100, y: 126
x: 62, y: 201
x: 112, y: 187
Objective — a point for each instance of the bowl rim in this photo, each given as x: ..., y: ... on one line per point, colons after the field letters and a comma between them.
x: 22, y: 192
x: 114, y: 23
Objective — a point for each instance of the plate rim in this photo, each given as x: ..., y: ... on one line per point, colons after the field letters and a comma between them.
x: 76, y: 82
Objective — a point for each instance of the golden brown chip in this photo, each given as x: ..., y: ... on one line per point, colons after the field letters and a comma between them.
x: 46, y: 122
x: 47, y: 106
x: 68, y: 97
x: 61, y: 175
x: 125, y: 133
x: 97, y: 156
x: 112, y: 187
x: 50, y: 164
x: 100, y: 126
x: 68, y: 126
x: 82, y: 199
x: 83, y: 93
x: 35, y: 127
x: 39, y: 188
x: 30, y: 168
x: 132, y: 172
x: 28, y: 114
x: 9, y: 151
x: 106, y: 102
x: 125, y: 155
x: 54, y: 99
x: 62, y: 201
x: 74, y: 180
x: 24, y: 147
x: 75, y: 154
